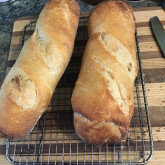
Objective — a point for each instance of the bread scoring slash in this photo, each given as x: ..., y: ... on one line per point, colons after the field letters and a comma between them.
x: 28, y: 87
x: 103, y: 97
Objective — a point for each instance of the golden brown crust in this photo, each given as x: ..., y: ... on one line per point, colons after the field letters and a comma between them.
x: 103, y: 99
x: 121, y: 3
x: 27, y: 89
x: 99, y: 133
x: 118, y: 18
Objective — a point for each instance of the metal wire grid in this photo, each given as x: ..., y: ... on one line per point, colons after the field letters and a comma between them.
x: 53, y: 140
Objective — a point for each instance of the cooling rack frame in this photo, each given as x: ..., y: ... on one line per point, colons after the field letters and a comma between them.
x: 35, y: 147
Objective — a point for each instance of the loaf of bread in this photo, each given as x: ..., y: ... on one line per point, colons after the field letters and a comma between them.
x: 103, y: 97
x: 28, y: 87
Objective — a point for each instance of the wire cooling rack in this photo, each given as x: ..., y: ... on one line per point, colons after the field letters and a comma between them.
x: 53, y: 140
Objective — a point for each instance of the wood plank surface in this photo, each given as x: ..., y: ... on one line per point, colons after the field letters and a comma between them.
x: 154, y: 74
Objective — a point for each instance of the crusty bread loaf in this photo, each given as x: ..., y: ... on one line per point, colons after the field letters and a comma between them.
x: 28, y: 87
x: 103, y: 98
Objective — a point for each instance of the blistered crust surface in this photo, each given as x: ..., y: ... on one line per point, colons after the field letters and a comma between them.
x: 27, y: 89
x: 103, y: 97
x: 21, y: 89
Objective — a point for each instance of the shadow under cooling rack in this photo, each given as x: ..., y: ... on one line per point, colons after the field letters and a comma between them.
x: 53, y: 140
